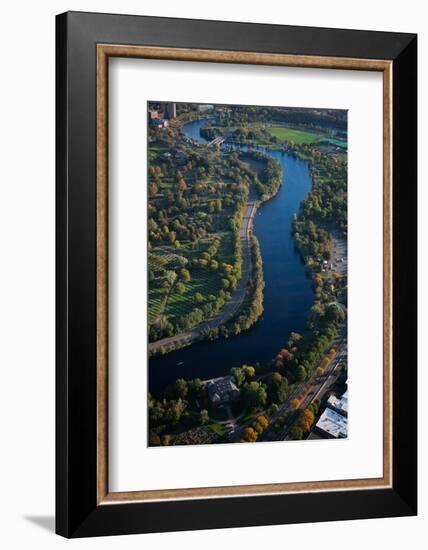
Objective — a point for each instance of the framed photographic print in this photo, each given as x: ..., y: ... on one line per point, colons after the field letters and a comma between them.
x: 236, y: 274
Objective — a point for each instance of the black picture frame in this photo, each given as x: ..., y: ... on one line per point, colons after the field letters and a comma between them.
x: 77, y: 512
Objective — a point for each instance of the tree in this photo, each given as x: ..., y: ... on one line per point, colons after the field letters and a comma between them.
x: 184, y: 275
x: 238, y: 374
x: 325, y: 362
x: 301, y: 373
x: 254, y: 395
x: 249, y: 435
x: 284, y: 354
x: 263, y: 421
x: 181, y: 388
x: 154, y: 439
x: 295, y: 404
x: 180, y: 288
x: 306, y: 419
x: 153, y: 189
x: 295, y: 337
x: 166, y: 440
x: 203, y: 416
x: 296, y: 433
x: 278, y: 387
x: 175, y: 411
x: 225, y: 283
x: 199, y: 298
x: 195, y: 386
x: 249, y: 371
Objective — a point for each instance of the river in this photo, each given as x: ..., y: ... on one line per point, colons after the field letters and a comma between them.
x: 288, y: 292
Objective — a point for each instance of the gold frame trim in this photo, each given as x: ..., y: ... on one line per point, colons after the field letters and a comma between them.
x: 104, y: 51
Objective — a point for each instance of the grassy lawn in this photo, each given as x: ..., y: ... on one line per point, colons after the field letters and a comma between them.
x: 204, y: 282
x: 297, y: 136
x: 336, y: 141
x: 217, y: 428
x: 156, y: 299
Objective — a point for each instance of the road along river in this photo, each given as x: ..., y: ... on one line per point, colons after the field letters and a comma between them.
x: 288, y: 292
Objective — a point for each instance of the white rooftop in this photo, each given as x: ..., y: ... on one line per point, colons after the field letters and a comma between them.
x: 339, y: 404
x: 333, y: 424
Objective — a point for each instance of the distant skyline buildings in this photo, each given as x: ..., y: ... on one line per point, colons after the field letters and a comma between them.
x: 171, y: 110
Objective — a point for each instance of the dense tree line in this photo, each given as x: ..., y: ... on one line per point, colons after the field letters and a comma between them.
x: 324, y: 208
x: 322, y: 118
x: 269, y: 180
x: 252, y: 308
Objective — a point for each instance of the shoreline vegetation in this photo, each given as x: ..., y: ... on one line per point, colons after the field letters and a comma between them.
x: 272, y: 397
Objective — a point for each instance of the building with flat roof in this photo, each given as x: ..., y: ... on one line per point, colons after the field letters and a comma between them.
x: 339, y: 404
x: 332, y: 425
x: 222, y: 390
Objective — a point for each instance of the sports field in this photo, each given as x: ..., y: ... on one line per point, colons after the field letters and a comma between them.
x: 302, y: 136
x: 297, y: 136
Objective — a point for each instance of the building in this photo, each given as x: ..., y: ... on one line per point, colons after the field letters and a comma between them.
x: 205, y: 108
x: 166, y: 156
x: 332, y: 425
x: 171, y: 110
x: 222, y: 390
x: 339, y: 404
x: 160, y: 123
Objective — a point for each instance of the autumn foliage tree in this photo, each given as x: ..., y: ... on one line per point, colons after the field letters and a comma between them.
x: 305, y: 420
x: 182, y: 186
x: 249, y: 435
x: 261, y: 424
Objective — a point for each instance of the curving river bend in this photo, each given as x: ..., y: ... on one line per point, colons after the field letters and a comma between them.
x: 288, y: 292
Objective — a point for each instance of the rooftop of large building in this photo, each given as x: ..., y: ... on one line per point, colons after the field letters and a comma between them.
x: 333, y: 424
x: 339, y: 404
x: 222, y: 390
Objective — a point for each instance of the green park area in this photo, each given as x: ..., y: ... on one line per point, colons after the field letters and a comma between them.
x: 196, y: 202
x: 302, y: 137
x: 296, y: 136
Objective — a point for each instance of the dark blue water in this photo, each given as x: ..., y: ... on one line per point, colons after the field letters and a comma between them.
x: 288, y: 292
x: 191, y: 130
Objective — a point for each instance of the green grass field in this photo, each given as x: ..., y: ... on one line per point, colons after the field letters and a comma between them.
x: 156, y: 300
x: 336, y: 141
x: 297, y: 136
x: 219, y: 429
x: 302, y: 136
x: 204, y: 282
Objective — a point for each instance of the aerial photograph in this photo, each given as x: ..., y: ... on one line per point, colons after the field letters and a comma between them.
x: 247, y: 273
